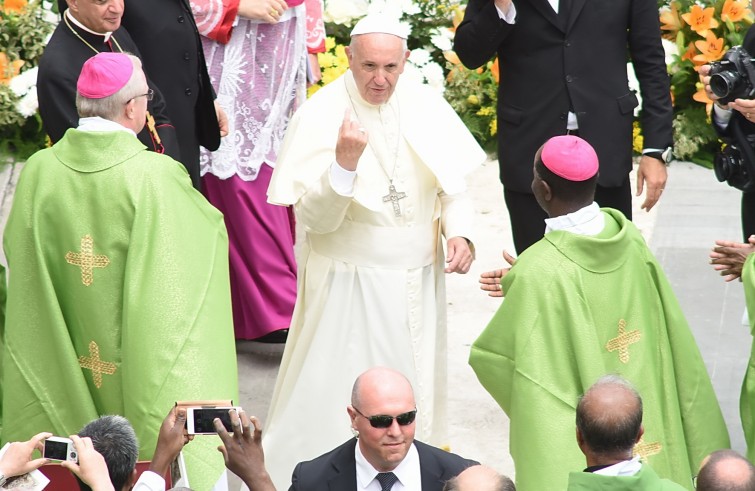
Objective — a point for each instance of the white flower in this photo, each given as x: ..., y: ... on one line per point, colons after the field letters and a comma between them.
x: 419, y: 57
x: 443, y: 39
x: 433, y: 74
x: 411, y: 72
x: 28, y: 104
x: 344, y: 11
x: 670, y: 49
x: 21, y: 84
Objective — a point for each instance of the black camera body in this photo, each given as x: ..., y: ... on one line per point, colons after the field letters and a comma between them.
x: 733, y: 77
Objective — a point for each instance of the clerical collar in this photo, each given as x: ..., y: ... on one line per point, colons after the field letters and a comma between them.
x: 81, y: 26
x: 623, y: 468
x: 585, y: 221
x: 96, y: 124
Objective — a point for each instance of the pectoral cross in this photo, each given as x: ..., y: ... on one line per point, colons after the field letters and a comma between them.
x: 393, y: 196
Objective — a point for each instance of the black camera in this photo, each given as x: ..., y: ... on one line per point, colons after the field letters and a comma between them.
x: 733, y: 77
x: 731, y: 167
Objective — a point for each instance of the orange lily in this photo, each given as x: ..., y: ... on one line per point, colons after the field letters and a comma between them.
x: 452, y: 57
x: 15, y: 6
x: 735, y: 10
x: 670, y: 19
x: 710, y: 50
x: 702, y: 96
x: 700, y: 19
x: 9, y: 70
x: 496, y: 70
x: 690, y: 53
x: 458, y: 16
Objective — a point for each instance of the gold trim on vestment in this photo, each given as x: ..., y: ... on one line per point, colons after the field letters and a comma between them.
x: 87, y: 260
x: 622, y: 342
x: 643, y: 449
x: 97, y: 366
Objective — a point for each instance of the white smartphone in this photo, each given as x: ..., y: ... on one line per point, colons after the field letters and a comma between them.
x: 199, y: 420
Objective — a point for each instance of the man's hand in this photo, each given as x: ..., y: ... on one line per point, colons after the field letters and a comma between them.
x: 491, y: 280
x: 170, y: 441
x: 729, y: 257
x: 352, y: 140
x: 222, y: 119
x: 651, y: 172
x: 243, y: 452
x: 265, y: 10
x: 459, y: 256
x: 704, y: 73
x: 91, y: 468
x: 746, y: 107
x: 17, y: 459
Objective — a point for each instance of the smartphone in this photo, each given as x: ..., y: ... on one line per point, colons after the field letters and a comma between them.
x: 60, y: 449
x: 199, y: 420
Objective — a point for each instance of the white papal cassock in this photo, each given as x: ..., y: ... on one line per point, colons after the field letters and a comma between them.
x: 371, y: 286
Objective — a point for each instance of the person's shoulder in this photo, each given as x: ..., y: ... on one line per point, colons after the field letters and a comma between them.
x: 451, y: 462
x: 310, y: 472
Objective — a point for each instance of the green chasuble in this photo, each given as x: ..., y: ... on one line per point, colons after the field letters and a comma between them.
x: 119, y: 296
x: 747, y: 397
x: 579, y: 307
x: 645, y: 480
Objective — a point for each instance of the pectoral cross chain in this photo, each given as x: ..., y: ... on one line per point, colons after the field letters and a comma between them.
x: 393, y: 196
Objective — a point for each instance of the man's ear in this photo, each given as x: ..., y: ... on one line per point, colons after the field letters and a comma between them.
x: 580, y: 440
x: 640, y: 433
x: 352, y: 415
x: 131, y: 481
x: 547, y: 193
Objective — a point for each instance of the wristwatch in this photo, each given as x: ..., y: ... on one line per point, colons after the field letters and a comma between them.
x: 664, y: 156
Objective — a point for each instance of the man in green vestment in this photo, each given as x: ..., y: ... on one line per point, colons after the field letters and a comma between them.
x: 609, y: 425
x: 589, y: 299
x: 119, y: 298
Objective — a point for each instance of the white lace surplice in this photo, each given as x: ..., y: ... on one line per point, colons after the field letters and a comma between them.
x: 260, y: 79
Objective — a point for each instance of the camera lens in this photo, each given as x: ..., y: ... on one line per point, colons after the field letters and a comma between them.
x: 724, y: 83
x: 73, y: 455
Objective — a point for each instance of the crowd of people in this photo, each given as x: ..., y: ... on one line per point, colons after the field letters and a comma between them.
x: 159, y: 227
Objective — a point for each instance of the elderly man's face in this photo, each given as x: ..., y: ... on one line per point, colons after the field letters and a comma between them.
x: 377, y: 60
x: 384, y: 448
x: 98, y: 15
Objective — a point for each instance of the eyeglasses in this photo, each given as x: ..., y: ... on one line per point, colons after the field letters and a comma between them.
x: 385, y: 421
x: 149, y: 95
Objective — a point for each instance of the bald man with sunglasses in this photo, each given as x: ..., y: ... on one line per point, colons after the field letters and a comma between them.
x: 384, y: 456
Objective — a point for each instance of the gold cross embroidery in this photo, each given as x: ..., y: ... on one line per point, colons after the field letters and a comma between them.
x: 87, y: 260
x: 97, y: 366
x: 643, y: 450
x: 621, y: 342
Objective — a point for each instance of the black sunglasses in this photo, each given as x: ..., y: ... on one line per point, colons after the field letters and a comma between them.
x: 384, y: 421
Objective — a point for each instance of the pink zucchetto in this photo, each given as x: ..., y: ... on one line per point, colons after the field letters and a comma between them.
x: 104, y: 74
x: 570, y: 157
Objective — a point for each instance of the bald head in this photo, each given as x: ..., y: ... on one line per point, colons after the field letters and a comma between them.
x: 726, y: 470
x: 479, y: 478
x: 378, y: 383
x: 609, y: 418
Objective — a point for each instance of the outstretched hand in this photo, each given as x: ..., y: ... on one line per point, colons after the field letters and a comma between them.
x: 491, y: 280
x: 91, y: 468
x: 728, y: 257
x: 242, y: 450
x: 17, y: 460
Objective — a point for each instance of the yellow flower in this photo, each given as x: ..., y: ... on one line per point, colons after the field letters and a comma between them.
x: 735, y: 10
x: 494, y: 127
x: 637, y: 138
x: 330, y: 43
x: 14, y: 6
x: 700, y: 20
x: 473, y: 99
x: 8, y: 70
x: 710, y: 50
x: 485, y: 111
x: 670, y: 19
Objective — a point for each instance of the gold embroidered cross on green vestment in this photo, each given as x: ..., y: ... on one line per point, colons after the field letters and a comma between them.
x: 87, y: 260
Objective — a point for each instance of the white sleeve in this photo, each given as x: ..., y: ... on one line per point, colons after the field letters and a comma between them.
x: 149, y: 481
x: 721, y: 116
x: 342, y: 180
x: 510, y: 16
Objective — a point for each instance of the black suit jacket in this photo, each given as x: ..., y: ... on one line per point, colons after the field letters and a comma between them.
x: 549, y: 66
x: 336, y: 470
x: 171, y: 49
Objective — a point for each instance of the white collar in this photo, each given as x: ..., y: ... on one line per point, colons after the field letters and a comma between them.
x: 408, y: 471
x: 70, y: 17
x: 96, y: 124
x: 585, y: 221
x: 623, y: 468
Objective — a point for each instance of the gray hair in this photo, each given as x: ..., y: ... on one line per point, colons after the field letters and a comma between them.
x: 111, y: 107
x: 610, y: 431
x: 498, y: 482
x: 114, y: 438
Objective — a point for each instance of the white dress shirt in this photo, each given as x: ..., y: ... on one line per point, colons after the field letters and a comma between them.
x: 408, y: 472
x: 623, y: 468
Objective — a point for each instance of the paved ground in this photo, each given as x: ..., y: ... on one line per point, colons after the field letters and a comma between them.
x: 694, y: 211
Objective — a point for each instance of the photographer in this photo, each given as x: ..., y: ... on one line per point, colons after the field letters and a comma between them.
x: 735, y: 124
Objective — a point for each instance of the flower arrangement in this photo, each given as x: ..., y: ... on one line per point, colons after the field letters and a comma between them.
x: 702, y: 31
x: 25, y: 26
